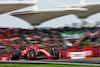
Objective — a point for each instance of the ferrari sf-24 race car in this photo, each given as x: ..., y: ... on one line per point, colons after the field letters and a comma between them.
x: 34, y: 52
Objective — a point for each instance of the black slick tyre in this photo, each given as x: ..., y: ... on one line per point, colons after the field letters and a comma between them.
x: 55, y: 52
x: 14, y: 54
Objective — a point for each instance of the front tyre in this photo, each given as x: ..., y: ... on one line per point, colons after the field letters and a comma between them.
x: 55, y: 52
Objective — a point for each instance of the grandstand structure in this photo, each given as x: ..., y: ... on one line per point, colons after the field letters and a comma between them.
x: 37, y: 16
x: 92, y: 9
x: 8, y: 5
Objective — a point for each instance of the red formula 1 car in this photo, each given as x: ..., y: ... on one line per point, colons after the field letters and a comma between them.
x: 34, y: 52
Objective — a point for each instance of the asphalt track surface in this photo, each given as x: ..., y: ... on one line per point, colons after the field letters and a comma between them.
x: 95, y: 62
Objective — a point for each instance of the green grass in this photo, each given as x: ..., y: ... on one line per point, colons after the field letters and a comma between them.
x: 93, y: 58
x: 43, y: 65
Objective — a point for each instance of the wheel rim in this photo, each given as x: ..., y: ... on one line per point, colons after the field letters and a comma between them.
x: 32, y: 55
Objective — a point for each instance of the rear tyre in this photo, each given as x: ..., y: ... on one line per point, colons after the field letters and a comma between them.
x: 14, y: 54
x: 55, y: 52
x: 31, y: 54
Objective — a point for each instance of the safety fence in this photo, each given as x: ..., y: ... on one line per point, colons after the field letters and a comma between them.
x: 4, y: 57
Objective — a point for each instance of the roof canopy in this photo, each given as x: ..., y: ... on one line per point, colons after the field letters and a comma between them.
x: 40, y: 16
x: 93, y: 8
x: 11, y: 6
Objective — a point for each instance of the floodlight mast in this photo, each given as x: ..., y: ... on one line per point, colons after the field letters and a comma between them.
x: 35, y: 7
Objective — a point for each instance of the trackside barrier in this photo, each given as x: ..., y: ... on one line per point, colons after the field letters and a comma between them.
x: 99, y: 51
x: 4, y: 57
x: 96, y: 51
x: 83, y: 52
x: 68, y: 52
x: 88, y: 51
x: 63, y: 52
